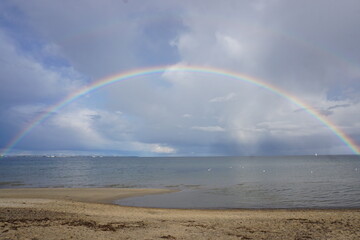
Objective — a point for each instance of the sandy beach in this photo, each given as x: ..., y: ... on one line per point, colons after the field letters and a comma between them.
x: 87, y: 214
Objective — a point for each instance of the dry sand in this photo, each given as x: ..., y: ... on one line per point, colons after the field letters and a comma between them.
x: 73, y: 214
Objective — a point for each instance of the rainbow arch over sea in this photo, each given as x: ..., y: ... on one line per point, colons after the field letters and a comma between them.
x: 132, y: 74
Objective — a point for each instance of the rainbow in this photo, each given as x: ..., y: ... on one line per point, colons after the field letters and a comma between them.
x: 101, y: 83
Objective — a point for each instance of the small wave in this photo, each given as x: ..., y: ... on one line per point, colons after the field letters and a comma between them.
x: 12, y: 183
x: 120, y: 186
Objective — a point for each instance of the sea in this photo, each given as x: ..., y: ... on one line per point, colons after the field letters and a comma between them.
x: 314, y: 182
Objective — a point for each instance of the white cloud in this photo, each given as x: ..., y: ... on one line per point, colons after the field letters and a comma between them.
x: 225, y: 98
x: 231, y: 45
x: 80, y: 124
x: 209, y: 128
x: 156, y: 148
x: 179, y: 78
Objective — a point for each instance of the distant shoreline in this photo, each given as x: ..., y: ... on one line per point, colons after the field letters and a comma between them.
x: 180, y: 156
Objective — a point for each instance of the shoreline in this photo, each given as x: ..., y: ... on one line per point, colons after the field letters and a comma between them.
x: 82, y: 214
x: 109, y: 195
x: 94, y: 195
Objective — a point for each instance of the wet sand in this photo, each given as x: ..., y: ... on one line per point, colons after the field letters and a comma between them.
x: 85, y: 214
x: 97, y: 195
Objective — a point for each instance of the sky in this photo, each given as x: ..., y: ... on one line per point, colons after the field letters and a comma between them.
x: 50, y: 49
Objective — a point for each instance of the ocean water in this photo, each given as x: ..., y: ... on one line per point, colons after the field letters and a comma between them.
x: 204, y: 182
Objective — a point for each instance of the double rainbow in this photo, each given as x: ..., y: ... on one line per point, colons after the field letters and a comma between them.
x: 193, y: 69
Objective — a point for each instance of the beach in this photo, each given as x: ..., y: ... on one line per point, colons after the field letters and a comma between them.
x: 88, y: 214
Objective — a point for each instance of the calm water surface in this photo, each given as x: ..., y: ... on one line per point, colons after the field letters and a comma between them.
x: 207, y: 182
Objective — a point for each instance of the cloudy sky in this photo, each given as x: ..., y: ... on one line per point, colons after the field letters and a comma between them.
x: 49, y: 49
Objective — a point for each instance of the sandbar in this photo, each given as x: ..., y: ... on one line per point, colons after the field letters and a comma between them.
x: 87, y: 214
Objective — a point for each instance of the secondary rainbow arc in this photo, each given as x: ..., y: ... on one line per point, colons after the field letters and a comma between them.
x: 194, y: 69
